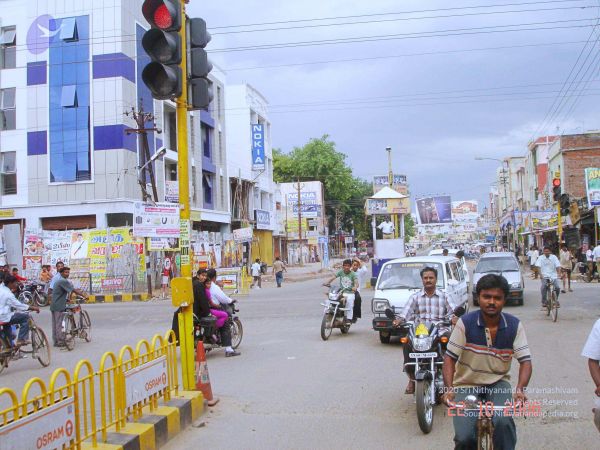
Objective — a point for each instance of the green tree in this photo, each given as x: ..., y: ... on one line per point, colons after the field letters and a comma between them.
x: 410, y: 230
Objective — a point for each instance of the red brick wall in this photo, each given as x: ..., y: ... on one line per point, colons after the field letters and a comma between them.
x: 575, y: 162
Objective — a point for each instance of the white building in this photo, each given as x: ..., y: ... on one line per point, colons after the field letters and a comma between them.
x: 69, y: 73
x: 251, y: 179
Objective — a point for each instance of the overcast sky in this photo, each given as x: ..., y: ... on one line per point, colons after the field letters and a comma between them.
x: 456, y: 97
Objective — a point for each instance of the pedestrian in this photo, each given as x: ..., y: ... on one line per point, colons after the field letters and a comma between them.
x: 589, y: 256
x: 534, y: 255
x: 566, y: 264
x: 596, y: 256
x: 60, y: 296
x: 278, y: 269
x: 256, y: 274
x: 591, y: 351
x: 55, y: 278
x: 166, y: 273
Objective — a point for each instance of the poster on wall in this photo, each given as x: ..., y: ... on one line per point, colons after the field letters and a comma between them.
x: 79, y: 245
x: 592, y: 186
x: 156, y: 220
x: 163, y: 244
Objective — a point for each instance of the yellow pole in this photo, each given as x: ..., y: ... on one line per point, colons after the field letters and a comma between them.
x: 186, y: 324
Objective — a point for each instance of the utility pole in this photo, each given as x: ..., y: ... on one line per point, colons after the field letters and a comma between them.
x: 391, y: 183
x: 141, y: 118
x: 299, y: 189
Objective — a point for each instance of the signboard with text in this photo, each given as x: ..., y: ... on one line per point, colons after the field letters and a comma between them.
x: 156, y: 220
x: 243, y: 234
x: 143, y: 381
x: 263, y: 219
x: 258, y: 146
x: 399, y: 183
x: 592, y: 186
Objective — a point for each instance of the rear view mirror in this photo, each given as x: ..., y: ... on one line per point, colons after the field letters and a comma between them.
x: 389, y: 314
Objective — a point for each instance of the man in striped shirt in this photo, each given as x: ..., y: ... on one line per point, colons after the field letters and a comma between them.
x: 478, y: 359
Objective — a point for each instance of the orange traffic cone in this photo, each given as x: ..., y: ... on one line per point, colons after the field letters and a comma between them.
x: 202, y: 377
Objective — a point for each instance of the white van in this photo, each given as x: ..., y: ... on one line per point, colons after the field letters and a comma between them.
x: 400, y: 278
x: 453, y: 252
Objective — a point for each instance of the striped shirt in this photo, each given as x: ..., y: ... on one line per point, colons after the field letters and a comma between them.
x: 425, y: 308
x: 479, y: 361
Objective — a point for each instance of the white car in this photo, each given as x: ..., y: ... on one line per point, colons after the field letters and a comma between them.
x: 400, y: 278
x: 453, y: 252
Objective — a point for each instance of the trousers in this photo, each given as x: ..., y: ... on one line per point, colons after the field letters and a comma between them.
x: 556, y: 285
x: 221, y: 316
x: 349, y: 313
x: 357, y: 310
x: 21, y: 319
x: 465, y: 427
x: 58, y: 337
x: 279, y: 278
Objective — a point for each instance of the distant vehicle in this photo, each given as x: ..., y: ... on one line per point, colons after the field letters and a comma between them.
x: 400, y: 278
x: 453, y: 252
x: 505, y: 264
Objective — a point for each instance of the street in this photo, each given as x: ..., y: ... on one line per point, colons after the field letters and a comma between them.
x: 290, y: 389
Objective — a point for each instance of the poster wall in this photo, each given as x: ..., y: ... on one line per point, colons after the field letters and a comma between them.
x: 437, y: 209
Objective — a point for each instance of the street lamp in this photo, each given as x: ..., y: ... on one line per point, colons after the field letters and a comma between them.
x: 160, y: 152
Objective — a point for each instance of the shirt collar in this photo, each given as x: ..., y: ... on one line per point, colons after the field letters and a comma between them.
x: 481, y: 323
x: 437, y: 293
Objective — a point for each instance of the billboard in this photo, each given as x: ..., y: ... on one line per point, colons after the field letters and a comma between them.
x: 436, y: 209
x: 399, y: 183
x: 258, y: 146
x: 465, y: 211
x: 156, y: 220
x: 379, y: 206
x: 592, y: 186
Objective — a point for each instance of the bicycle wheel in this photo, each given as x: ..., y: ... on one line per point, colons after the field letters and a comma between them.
x: 554, y: 307
x: 237, y: 332
x: 41, y: 347
x: 548, y: 300
x: 5, y: 353
x: 85, y: 326
x: 69, y: 329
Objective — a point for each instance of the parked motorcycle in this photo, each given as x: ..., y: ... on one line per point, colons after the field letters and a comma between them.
x: 33, y: 294
x: 428, y: 345
x: 205, y: 329
x: 334, y: 312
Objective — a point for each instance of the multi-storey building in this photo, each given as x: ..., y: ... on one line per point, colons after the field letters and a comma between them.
x: 69, y: 73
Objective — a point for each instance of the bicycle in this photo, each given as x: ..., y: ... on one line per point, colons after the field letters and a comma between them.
x: 551, y: 299
x: 40, y: 348
x: 80, y: 326
x: 485, y: 424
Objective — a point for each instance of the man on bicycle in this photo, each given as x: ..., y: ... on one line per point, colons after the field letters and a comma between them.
x: 60, y: 296
x: 12, y: 311
x: 477, y: 362
x: 549, y: 267
x: 349, y: 284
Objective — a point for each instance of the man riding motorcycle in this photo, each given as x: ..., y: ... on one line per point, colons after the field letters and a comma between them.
x: 428, y: 304
x: 349, y: 284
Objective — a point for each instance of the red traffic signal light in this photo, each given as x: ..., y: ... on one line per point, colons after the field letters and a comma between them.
x: 556, y: 182
x: 163, y: 14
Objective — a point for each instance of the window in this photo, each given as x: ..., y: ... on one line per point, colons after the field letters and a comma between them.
x: 68, y: 98
x: 222, y: 191
x: 206, y: 141
x: 68, y: 30
x: 219, y: 102
x: 8, y: 118
x: 171, y: 121
x: 207, y: 186
x: 8, y: 48
x: 9, y: 173
x: 170, y: 170
x: 221, y: 155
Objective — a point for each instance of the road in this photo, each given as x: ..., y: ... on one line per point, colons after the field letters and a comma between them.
x: 289, y: 389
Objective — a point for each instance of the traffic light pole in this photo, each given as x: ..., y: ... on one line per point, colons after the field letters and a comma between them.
x: 186, y: 325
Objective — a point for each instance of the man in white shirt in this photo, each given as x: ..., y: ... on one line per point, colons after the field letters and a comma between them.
x: 360, y: 270
x: 589, y: 258
x: 596, y: 255
x: 216, y: 293
x: 255, y: 271
x: 8, y: 303
x: 534, y: 254
x: 549, y: 267
x: 387, y: 228
x: 591, y: 351
x: 218, y: 296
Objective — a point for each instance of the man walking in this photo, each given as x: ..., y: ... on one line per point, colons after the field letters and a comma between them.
x: 256, y: 274
x: 533, y: 257
x: 566, y: 265
x: 60, y: 296
x: 278, y: 269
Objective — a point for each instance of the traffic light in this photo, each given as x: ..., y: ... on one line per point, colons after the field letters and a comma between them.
x: 199, y: 66
x: 565, y: 205
x: 162, y: 43
x: 556, y: 192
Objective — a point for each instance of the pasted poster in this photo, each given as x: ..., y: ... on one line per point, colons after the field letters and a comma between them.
x: 79, y: 245
x: 97, y: 255
x: 592, y: 185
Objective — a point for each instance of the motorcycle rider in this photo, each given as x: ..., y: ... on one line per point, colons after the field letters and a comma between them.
x: 477, y: 362
x: 428, y: 304
x: 349, y: 284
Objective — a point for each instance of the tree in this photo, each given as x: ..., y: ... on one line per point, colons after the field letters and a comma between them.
x: 320, y: 161
x: 409, y: 227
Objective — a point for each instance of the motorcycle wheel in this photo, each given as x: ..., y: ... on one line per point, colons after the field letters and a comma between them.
x: 26, y: 297
x: 344, y: 329
x: 326, y: 326
x: 41, y: 300
x: 237, y: 332
x: 424, y: 406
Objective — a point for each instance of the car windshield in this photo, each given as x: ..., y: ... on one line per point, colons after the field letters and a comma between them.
x: 406, y: 275
x: 502, y: 264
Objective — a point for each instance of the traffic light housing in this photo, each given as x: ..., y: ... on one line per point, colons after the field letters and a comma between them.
x: 565, y: 205
x: 200, y: 90
x: 162, y: 43
x: 556, y: 191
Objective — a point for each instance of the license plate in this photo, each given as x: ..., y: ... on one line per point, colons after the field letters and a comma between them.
x: 423, y: 355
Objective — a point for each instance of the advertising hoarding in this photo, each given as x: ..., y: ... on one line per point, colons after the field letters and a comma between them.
x: 388, y: 206
x: 592, y: 186
x: 465, y: 211
x: 156, y: 220
x: 263, y: 219
x: 399, y: 183
x: 258, y: 146
x: 435, y: 209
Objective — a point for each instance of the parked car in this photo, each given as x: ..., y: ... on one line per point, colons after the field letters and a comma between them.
x: 505, y: 264
x: 400, y: 278
x: 463, y: 261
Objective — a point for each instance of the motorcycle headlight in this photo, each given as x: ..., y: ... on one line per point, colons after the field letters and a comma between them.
x: 380, y: 305
x: 515, y: 285
x: 422, y: 344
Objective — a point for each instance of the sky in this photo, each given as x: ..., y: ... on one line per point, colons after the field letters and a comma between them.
x: 440, y: 82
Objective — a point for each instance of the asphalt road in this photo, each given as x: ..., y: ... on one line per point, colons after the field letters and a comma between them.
x: 289, y: 389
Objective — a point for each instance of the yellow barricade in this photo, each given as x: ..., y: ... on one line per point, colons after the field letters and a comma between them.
x: 84, y: 386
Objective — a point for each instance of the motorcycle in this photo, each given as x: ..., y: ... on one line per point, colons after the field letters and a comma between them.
x: 205, y: 329
x: 33, y: 294
x: 334, y: 312
x: 428, y: 344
